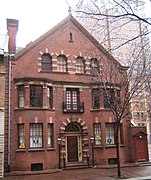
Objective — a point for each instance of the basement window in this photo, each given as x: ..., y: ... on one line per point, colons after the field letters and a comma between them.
x: 112, y: 161
x: 37, y: 167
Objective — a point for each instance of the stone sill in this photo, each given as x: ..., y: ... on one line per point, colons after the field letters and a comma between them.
x: 50, y: 149
x: 34, y: 149
x: 33, y: 108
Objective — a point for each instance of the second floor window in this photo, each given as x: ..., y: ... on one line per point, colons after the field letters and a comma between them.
x: 36, y: 96
x: 72, y: 99
x: 111, y: 98
x: 50, y: 97
x: 21, y: 94
x: 95, y: 99
x: 46, y: 62
x: 80, y: 65
x: 62, y: 63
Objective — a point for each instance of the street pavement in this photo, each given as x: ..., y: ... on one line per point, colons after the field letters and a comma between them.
x: 135, y: 172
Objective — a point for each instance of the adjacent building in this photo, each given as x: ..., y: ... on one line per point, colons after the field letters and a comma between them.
x: 3, y: 76
x: 2, y: 111
x: 12, y: 27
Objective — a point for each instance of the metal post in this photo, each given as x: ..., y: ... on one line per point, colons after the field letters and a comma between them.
x: 64, y: 161
x: 92, y: 143
x: 59, y: 152
x: 88, y: 160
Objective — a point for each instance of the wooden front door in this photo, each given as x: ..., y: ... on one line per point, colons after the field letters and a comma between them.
x: 140, y: 148
x: 72, y: 148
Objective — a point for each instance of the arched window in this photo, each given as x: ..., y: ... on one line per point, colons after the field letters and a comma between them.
x: 94, y: 66
x: 46, y: 62
x: 73, y: 127
x: 80, y: 65
x: 62, y: 63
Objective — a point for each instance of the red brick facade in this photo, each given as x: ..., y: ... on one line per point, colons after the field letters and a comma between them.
x: 50, y: 101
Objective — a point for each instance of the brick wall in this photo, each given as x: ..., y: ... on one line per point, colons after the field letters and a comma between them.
x: 27, y: 71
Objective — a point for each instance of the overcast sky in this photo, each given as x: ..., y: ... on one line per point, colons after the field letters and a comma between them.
x: 36, y: 16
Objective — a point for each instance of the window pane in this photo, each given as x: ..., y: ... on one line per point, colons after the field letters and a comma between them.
x: 94, y: 65
x: 46, y: 62
x: 21, y: 96
x: 21, y: 136
x: 110, y: 136
x: 36, y: 96
x: 36, y: 134
x: 62, y: 63
x: 49, y: 97
x: 97, y: 133
x: 72, y: 99
x: 80, y: 65
x: 95, y: 99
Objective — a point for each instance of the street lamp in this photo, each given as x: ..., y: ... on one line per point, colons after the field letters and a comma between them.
x: 59, y: 151
x: 92, y: 143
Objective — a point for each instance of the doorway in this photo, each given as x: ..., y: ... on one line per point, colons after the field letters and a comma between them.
x: 72, y: 148
x: 140, y: 147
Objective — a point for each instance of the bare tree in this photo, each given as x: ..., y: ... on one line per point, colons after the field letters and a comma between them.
x: 120, y: 85
x: 103, y: 18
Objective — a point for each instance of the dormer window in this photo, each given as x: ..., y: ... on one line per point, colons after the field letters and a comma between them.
x: 62, y: 63
x: 46, y: 62
x: 80, y: 65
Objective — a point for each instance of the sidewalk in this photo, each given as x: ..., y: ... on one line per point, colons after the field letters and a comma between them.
x: 141, y: 178
x: 22, y: 173
x: 130, y: 171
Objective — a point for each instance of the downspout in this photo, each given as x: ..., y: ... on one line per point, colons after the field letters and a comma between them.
x: 9, y: 109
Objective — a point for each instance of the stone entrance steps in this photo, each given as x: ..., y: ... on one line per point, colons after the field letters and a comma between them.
x: 76, y: 165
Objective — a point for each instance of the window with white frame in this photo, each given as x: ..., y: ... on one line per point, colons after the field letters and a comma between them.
x: 80, y: 65
x: 50, y: 135
x: 46, y: 62
x: 21, y: 136
x: 72, y: 99
x: 21, y: 94
x: 97, y: 133
x: 110, y: 133
x: 36, y: 135
x: 50, y: 97
x: 36, y: 95
x: 61, y: 63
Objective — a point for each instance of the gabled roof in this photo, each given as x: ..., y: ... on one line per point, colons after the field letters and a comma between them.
x: 57, y: 27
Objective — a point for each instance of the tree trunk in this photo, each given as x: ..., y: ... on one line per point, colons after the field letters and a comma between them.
x: 117, y: 150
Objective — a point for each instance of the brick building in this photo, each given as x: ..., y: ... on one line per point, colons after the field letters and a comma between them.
x: 56, y: 108
x: 3, y: 84
x: 10, y: 46
x: 2, y: 110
